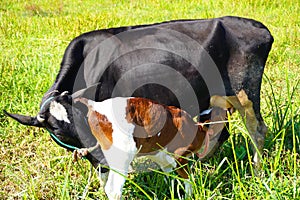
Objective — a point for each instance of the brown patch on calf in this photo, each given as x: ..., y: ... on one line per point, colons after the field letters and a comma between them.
x: 101, y: 129
x: 154, y: 127
x: 147, y: 114
x: 100, y: 126
x: 105, y: 125
x: 190, y: 137
x: 177, y: 131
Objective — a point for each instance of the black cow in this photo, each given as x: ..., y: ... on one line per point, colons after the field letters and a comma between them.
x: 181, y: 63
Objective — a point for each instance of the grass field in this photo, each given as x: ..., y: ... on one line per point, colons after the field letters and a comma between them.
x: 33, y: 37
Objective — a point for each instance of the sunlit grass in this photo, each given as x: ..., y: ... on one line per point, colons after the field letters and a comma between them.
x: 33, y: 37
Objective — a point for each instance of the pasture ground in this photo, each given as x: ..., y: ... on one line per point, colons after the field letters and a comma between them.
x: 33, y: 37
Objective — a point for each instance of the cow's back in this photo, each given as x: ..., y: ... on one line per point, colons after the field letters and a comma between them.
x: 238, y: 47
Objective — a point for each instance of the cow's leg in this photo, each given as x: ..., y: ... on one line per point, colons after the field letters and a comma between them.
x: 255, y: 125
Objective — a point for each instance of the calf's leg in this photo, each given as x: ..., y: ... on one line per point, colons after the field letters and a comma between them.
x: 167, y: 163
x: 119, y: 161
x: 183, y: 172
x: 114, y: 185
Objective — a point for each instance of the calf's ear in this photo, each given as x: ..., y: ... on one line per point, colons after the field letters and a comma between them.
x: 25, y: 120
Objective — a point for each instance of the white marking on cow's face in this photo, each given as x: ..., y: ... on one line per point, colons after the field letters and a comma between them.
x: 59, y: 111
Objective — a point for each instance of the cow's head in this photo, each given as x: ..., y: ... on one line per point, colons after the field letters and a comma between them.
x: 60, y: 116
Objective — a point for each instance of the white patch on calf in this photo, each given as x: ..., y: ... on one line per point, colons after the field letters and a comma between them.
x: 124, y: 146
x: 59, y: 111
x: 123, y: 149
x: 188, y: 189
x: 119, y: 162
x: 164, y: 160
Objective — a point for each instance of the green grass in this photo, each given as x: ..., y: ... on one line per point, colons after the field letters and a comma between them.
x: 33, y: 37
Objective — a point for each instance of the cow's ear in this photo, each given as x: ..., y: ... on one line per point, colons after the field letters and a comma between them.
x: 65, y: 97
x: 25, y: 120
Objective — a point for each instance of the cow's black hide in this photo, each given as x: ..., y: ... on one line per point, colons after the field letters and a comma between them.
x: 180, y: 63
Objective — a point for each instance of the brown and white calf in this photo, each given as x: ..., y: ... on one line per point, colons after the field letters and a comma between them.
x: 129, y: 127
